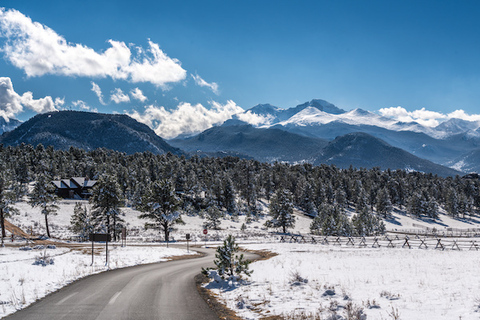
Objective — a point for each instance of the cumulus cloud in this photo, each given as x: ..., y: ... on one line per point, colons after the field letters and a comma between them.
x: 138, y: 95
x: 82, y: 105
x: 202, y: 83
x: 59, y: 102
x: 425, y: 117
x: 39, y: 50
x: 98, y: 92
x: 11, y: 103
x: 118, y: 96
x: 460, y: 114
x: 186, y: 119
x: 254, y: 119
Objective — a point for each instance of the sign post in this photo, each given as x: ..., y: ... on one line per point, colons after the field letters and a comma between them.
x: 205, y: 231
x: 124, y: 237
x: 187, y: 236
x: 100, y: 237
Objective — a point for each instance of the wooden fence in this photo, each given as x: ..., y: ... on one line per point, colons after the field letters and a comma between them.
x: 394, y: 241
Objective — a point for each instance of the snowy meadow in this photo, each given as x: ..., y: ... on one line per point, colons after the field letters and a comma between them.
x: 330, y: 282
x: 303, y: 280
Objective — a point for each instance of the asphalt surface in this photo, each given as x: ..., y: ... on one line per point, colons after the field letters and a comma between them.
x: 163, y: 290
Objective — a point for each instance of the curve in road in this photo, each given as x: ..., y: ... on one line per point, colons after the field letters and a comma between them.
x: 163, y: 290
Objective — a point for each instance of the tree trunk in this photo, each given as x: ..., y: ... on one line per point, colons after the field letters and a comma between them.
x: 108, y: 224
x: 114, y: 228
x: 167, y: 232
x: 2, y: 223
x: 46, y: 224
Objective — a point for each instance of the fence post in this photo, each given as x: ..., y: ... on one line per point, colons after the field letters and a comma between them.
x: 406, y: 243
x: 439, y: 244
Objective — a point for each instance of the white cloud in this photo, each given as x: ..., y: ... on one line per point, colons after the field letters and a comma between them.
x: 186, y: 119
x: 461, y: 114
x: 138, y: 95
x: 425, y: 117
x: 202, y: 83
x: 82, y: 105
x: 98, y: 92
x: 39, y: 50
x: 11, y: 103
x: 59, y: 101
x: 254, y: 119
x: 118, y: 96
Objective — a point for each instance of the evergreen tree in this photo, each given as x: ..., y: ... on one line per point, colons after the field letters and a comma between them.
x: 7, y: 198
x: 160, y: 204
x: 367, y: 224
x: 281, y: 211
x: 331, y: 220
x: 383, y: 203
x: 229, y: 265
x: 81, y: 222
x: 212, y: 216
x: 43, y: 197
x: 229, y: 197
x: 106, y: 202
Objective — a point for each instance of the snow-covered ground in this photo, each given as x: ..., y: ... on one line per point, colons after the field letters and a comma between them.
x: 326, y: 280
x: 22, y: 282
x: 31, y: 218
x: 416, y: 283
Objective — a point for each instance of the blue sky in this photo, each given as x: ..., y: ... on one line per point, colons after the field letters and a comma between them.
x: 219, y: 56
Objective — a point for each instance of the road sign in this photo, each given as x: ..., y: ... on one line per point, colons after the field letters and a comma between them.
x: 205, y: 231
x: 102, y: 237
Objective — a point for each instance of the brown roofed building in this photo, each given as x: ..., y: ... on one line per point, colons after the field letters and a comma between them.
x: 74, y: 188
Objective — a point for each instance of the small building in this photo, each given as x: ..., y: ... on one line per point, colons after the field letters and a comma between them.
x: 74, y: 188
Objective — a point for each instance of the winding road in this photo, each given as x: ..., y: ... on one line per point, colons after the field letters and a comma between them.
x: 163, y: 290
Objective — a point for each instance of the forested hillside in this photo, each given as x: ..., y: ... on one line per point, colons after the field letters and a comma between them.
x: 234, y: 186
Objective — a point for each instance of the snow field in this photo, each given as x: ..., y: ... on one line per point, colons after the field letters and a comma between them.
x: 321, y: 280
x: 418, y: 284
x: 23, y: 283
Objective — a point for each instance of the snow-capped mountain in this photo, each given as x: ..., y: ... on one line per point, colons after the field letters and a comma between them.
x: 320, y: 112
x: 320, y: 119
x: 459, y: 126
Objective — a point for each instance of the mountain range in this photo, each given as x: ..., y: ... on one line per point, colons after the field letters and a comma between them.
x: 454, y: 143
x: 315, y: 132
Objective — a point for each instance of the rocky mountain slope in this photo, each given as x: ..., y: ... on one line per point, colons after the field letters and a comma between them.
x: 87, y: 130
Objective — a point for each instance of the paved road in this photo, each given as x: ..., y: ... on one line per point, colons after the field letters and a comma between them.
x: 156, y: 291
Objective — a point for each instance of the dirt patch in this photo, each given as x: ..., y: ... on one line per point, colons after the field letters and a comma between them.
x: 16, y: 230
x: 211, y: 299
x: 264, y: 254
x: 191, y: 256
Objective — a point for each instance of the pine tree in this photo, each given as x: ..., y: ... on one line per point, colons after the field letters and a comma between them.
x: 7, y: 198
x: 281, y: 211
x: 383, y: 203
x: 366, y: 223
x: 212, y: 216
x: 228, y: 264
x: 43, y: 197
x: 106, y: 202
x: 81, y: 221
x: 160, y: 204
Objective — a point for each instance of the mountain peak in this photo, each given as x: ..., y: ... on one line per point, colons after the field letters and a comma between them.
x: 264, y: 109
x: 321, y: 105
